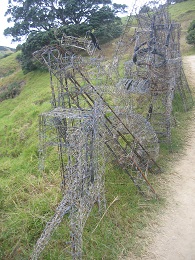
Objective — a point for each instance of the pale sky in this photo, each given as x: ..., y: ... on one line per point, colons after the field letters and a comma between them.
x: 6, y: 41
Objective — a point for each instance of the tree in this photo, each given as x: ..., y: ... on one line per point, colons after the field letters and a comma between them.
x: 35, y: 41
x: 191, y: 33
x: 145, y: 9
x: 35, y: 15
x: 38, y: 19
x: 106, y: 25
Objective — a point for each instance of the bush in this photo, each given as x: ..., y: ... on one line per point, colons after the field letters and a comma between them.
x: 19, y: 47
x: 34, y: 42
x: 10, y: 91
x: 191, y: 33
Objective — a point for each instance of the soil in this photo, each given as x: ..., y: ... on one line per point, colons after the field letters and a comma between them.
x: 173, y: 238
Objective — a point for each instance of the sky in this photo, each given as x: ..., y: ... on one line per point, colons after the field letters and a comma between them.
x: 7, y: 41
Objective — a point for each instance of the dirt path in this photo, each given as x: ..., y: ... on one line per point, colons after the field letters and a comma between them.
x: 174, y: 237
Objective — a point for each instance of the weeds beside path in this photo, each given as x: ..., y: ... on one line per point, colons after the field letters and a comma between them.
x: 173, y: 238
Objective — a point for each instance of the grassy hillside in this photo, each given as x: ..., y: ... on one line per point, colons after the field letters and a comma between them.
x: 5, y: 51
x: 184, y: 13
x: 28, y: 197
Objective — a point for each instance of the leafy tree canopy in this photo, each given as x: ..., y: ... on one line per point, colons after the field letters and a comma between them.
x: 42, y: 15
x: 105, y: 25
x: 39, y: 19
x: 145, y: 9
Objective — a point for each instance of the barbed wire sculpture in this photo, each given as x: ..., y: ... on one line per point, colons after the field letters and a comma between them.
x: 76, y: 133
x: 153, y: 61
x: 155, y: 69
x: 132, y: 110
x: 77, y: 89
x: 77, y: 128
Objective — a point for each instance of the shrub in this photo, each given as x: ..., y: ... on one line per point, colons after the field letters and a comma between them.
x: 191, y: 33
x: 10, y: 91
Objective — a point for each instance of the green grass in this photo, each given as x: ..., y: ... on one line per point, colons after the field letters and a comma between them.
x: 27, y: 197
x: 184, y: 13
x: 133, y: 20
x: 183, y: 10
x: 8, y: 65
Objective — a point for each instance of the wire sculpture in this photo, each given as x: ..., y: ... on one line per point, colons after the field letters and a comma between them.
x: 155, y: 69
x: 78, y: 83
x: 76, y: 133
x: 94, y: 105
x: 78, y: 128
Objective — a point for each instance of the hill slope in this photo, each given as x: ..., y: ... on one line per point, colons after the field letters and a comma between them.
x: 184, y: 13
x: 5, y: 51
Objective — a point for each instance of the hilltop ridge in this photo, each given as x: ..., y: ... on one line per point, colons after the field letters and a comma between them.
x: 4, y: 51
